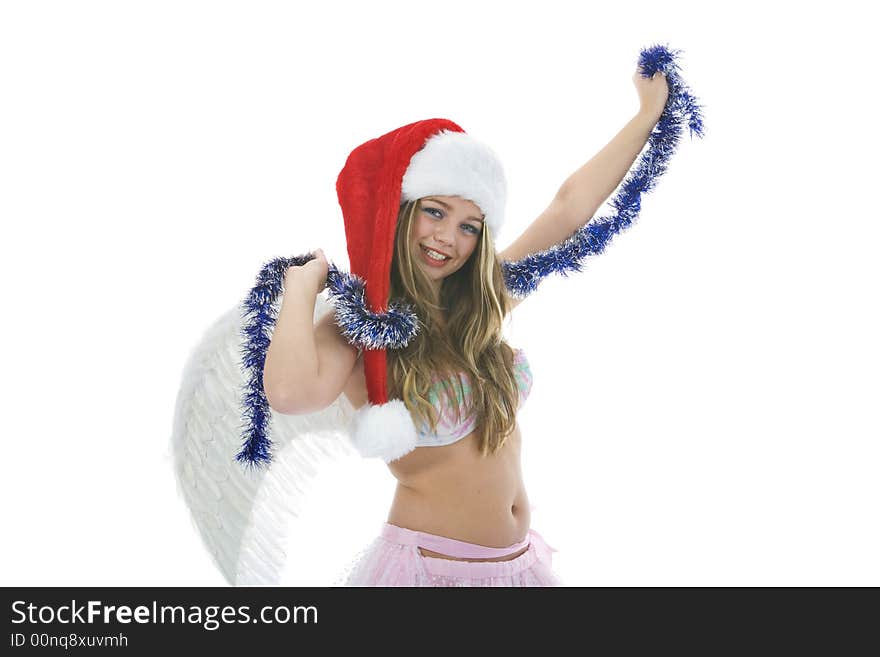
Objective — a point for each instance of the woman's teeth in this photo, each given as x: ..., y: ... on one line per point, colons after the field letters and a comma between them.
x: 434, y: 255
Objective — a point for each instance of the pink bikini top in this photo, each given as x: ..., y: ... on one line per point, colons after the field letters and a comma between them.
x: 448, y: 430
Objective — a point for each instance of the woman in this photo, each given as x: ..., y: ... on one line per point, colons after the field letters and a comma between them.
x: 460, y: 514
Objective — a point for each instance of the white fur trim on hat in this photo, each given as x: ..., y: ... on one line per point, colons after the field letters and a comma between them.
x: 384, y: 430
x: 455, y: 164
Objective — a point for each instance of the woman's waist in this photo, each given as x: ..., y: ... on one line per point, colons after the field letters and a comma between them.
x: 496, y: 520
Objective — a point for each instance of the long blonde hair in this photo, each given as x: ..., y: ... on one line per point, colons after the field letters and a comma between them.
x: 473, y: 303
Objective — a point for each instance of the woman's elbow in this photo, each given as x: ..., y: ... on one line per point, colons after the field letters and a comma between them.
x: 280, y: 401
x: 288, y: 404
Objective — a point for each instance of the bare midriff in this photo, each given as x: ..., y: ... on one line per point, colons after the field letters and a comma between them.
x: 454, y: 491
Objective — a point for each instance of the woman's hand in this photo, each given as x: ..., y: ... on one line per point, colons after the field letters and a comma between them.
x: 313, y: 273
x: 653, y: 92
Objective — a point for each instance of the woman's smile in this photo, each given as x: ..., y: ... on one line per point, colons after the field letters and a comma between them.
x: 432, y: 261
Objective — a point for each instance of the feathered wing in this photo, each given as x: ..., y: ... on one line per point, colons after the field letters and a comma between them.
x: 243, y: 513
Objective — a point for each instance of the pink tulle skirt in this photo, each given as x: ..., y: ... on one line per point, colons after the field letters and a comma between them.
x: 393, y: 559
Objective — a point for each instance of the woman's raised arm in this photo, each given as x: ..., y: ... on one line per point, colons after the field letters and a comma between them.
x: 584, y: 191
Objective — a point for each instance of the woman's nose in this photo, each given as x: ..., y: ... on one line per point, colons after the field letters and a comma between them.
x: 442, y: 234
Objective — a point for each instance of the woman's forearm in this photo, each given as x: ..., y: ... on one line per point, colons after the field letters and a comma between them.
x: 587, y: 189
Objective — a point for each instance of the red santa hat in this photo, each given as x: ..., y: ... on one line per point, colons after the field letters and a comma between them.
x: 424, y: 158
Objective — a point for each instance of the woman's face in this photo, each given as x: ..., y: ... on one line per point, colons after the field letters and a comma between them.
x: 449, y: 225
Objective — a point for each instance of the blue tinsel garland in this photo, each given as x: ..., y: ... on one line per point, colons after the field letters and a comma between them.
x: 394, y: 328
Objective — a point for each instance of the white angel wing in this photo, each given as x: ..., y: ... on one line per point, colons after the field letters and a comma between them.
x: 242, y: 514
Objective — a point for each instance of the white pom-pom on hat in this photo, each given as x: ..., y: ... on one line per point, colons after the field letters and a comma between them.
x: 385, y: 430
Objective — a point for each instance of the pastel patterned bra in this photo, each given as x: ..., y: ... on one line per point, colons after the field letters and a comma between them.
x: 448, y: 429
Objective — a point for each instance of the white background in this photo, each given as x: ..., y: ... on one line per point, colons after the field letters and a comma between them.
x: 705, y: 402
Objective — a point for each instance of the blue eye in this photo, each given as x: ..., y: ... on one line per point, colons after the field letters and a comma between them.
x: 469, y: 229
